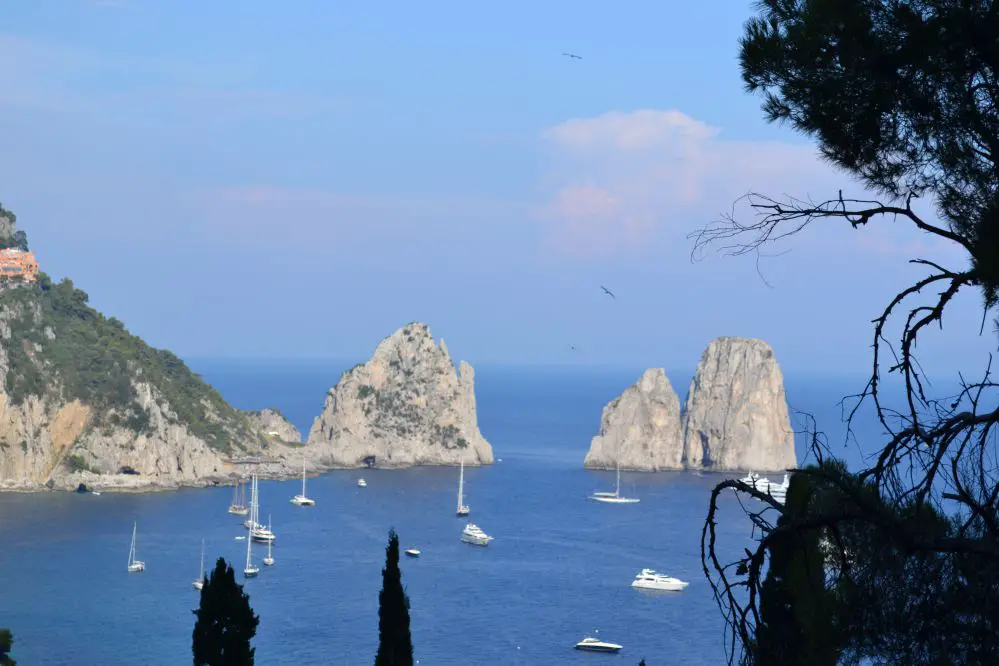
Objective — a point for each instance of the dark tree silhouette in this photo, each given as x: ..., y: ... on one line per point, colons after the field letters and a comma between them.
x: 6, y: 641
x: 395, y: 645
x: 226, y: 622
x: 903, y: 95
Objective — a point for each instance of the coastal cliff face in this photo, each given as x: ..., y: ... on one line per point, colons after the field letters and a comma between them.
x: 406, y: 406
x: 737, y: 416
x: 83, y: 400
x: 274, y: 425
x: 641, y: 428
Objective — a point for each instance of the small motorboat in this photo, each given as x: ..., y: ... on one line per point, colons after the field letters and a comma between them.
x: 361, y: 483
x: 590, y: 644
x: 413, y: 552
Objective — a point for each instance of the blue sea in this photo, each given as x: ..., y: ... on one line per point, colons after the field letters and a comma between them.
x: 559, y: 569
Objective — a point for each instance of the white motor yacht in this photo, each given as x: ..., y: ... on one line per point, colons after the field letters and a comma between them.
x: 764, y: 485
x: 474, y: 535
x: 413, y: 552
x: 591, y: 644
x: 361, y: 483
x: 651, y: 580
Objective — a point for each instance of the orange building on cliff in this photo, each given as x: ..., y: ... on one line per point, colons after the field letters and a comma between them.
x: 17, y: 263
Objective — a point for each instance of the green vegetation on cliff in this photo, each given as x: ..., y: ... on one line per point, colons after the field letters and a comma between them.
x: 61, y: 347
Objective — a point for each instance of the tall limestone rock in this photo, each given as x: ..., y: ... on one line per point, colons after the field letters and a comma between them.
x: 640, y: 428
x: 406, y: 406
x: 736, y: 416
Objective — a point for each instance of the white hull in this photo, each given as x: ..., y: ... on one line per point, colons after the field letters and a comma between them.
x: 412, y: 552
x: 593, y: 645
x: 238, y: 510
x: 269, y: 561
x: 199, y: 584
x: 361, y: 483
x: 250, y: 572
x: 611, y: 499
x: 136, y: 566
x: 476, y: 541
x: 462, y: 511
x: 660, y: 587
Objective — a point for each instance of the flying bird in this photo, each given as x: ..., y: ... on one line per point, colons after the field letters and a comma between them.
x: 572, y: 55
x: 608, y: 292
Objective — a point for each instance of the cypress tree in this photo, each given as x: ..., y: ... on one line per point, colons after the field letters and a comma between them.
x: 395, y: 645
x: 225, y: 623
x: 6, y: 641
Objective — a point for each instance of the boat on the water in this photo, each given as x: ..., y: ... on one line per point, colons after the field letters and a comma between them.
x: 269, y: 560
x: 474, y: 535
x: 778, y: 491
x: 412, y: 552
x: 590, y: 644
x: 614, y: 497
x: 462, y: 509
x: 134, y: 564
x: 648, y: 579
x: 199, y: 582
x: 361, y: 483
x: 303, y: 499
x: 238, y: 506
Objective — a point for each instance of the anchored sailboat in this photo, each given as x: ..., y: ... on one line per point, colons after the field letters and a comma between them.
x: 303, y: 499
x: 134, y: 564
x: 462, y: 509
x: 257, y: 531
x: 250, y: 570
x: 614, y: 497
x: 238, y: 506
x: 199, y: 582
x: 269, y: 560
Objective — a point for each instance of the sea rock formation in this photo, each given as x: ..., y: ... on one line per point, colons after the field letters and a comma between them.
x: 406, y: 406
x: 84, y: 401
x: 736, y: 416
x: 273, y: 424
x: 641, y: 428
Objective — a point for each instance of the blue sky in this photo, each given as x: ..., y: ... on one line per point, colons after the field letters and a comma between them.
x: 260, y: 179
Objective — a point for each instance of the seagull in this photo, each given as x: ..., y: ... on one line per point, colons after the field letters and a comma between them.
x: 608, y: 292
x: 573, y: 347
x: 573, y: 55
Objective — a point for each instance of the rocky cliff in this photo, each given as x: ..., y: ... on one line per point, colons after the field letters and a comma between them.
x: 406, y: 406
x: 83, y: 400
x: 736, y: 416
x: 274, y: 425
x: 641, y: 428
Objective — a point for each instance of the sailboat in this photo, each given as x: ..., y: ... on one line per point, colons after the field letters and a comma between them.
x: 303, y: 499
x: 250, y: 570
x: 257, y: 531
x: 269, y: 560
x: 199, y: 582
x: 134, y: 564
x: 238, y: 506
x: 614, y: 497
x: 462, y: 509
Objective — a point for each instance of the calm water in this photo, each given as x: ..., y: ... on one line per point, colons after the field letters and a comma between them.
x: 559, y: 568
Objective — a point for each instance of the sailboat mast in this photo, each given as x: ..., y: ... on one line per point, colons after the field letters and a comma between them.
x: 303, y: 477
x: 201, y: 573
x: 617, y: 485
x: 461, y: 485
x: 131, y: 549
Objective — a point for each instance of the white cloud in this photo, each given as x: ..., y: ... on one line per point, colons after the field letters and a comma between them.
x: 620, y: 180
